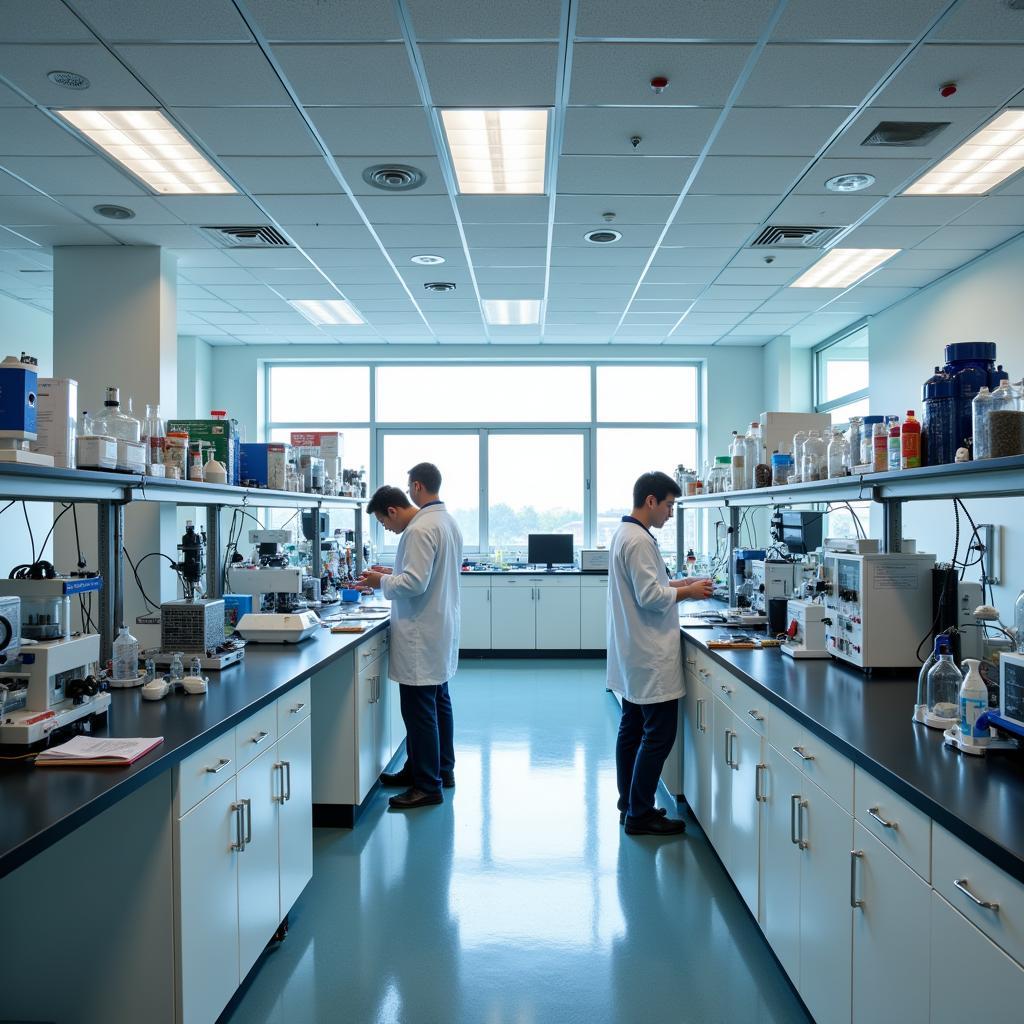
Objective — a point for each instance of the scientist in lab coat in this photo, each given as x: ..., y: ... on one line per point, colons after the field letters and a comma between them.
x: 424, y: 592
x: 645, y: 663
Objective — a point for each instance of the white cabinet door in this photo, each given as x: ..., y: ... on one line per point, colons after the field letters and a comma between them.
x: 475, y: 631
x: 558, y: 618
x: 382, y: 720
x: 672, y: 770
x: 334, y: 732
x: 513, y: 619
x: 697, y: 720
x: 745, y: 813
x: 972, y: 979
x: 594, y: 615
x: 826, y: 926
x: 207, y: 906
x: 258, y: 895
x: 367, y: 744
x: 780, y: 861
x: 395, y: 716
x: 295, y: 814
x: 722, y: 733
x: 890, y: 956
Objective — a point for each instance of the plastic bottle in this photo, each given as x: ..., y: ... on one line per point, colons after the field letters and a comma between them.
x: 853, y: 437
x: 195, y: 667
x: 981, y: 408
x: 1018, y: 622
x: 691, y: 562
x: 126, y: 656
x: 751, y: 454
x: 838, y: 456
x: 910, y: 442
x: 973, y: 701
x: 939, y: 429
x: 879, y: 447
x: 894, y: 447
x: 738, y: 479
x: 813, y: 464
x: 153, y: 434
x: 944, y: 683
x: 799, y: 438
x: 867, y: 441
x: 177, y: 670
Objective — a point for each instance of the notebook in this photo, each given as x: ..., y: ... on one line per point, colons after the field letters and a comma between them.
x: 89, y: 750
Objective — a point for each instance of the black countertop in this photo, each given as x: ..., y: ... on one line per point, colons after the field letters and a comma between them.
x: 39, y: 806
x: 868, y: 719
x: 533, y: 572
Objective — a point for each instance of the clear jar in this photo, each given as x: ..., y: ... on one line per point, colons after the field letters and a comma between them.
x: 782, y: 466
x: 751, y: 454
x: 854, y: 434
x: 838, y: 456
x: 812, y: 462
x: 798, y: 453
x: 154, y: 436
x: 1006, y: 422
x: 944, y: 681
x: 115, y: 423
x: 981, y: 409
x: 723, y: 473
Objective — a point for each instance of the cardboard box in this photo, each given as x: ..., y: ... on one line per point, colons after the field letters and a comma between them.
x: 56, y: 419
x: 331, y: 444
x: 222, y: 435
x: 265, y: 464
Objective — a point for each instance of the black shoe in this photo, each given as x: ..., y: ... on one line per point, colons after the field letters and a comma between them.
x: 414, y: 798
x: 399, y: 778
x: 655, y: 825
x: 448, y: 780
x: 657, y: 810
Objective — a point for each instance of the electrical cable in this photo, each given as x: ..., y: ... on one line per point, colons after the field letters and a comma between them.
x: 31, y: 538
x: 63, y: 511
x: 138, y: 581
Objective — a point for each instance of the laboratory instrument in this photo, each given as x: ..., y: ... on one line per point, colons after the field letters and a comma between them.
x: 594, y: 560
x: 772, y: 578
x: 799, y: 531
x: 741, y: 568
x: 46, y: 601
x: 805, y: 634
x: 879, y: 606
x: 19, y: 381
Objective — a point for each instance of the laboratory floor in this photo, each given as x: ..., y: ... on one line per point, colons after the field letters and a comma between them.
x: 520, y: 900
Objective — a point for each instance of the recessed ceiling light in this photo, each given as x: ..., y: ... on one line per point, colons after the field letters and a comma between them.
x: 976, y: 166
x: 112, y: 212
x: 427, y: 260
x: 603, y: 236
x: 68, y: 80
x: 839, y: 268
x: 850, y: 182
x: 498, y: 151
x: 150, y: 147
x: 440, y: 286
x: 394, y: 177
x: 327, y: 311
x: 512, y: 311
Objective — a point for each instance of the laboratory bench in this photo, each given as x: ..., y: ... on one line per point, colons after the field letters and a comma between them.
x: 868, y: 852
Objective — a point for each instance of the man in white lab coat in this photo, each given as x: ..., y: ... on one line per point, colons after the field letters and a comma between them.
x: 424, y: 592
x: 645, y: 664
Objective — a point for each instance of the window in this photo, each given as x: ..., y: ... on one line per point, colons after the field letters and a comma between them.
x: 524, y: 447
x: 841, y: 376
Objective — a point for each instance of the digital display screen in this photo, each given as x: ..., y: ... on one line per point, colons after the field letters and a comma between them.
x: 848, y: 574
x: 1013, y: 690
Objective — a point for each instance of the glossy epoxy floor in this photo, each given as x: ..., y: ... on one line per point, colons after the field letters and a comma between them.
x: 519, y: 901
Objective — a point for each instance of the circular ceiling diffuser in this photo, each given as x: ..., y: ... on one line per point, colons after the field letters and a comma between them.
x: 394, y: 177
x: 427, y: 260
x: 850, y: 182
x: 603, y: 236
x: 112, y: 212
x: 68, y: 80
x: 440, y: 286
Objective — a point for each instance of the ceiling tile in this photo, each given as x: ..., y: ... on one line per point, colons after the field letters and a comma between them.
x: 934, y: 259
x: 332, y: 236
x: 28, y: 132
x: 147, y: 211
x: 509, y: 275
x: 283, y: 175
x: 961, y: 122
x: 26, y: 65
x: 575, y: 209
x: 592, y: 275
x: 249, y: 131
x: 9, y: 98
x: 733, y: 209
x: 954, y: 237
x: 196, y: 21
x: 218, y: 275
x: 167, y: 235
x: 202, y: 258
x: 709, y: 235
x: 469, y: 19
x: 455, y: 259
x: 890, y: 174
x: 827, y: 210
x: 680, y: 275
x: 511, y: 291
x: 655, y: 19
x: 661, y: 131
x: 508, y: 235
x: 842, y: 74
x: 490, y: 75
x: 352, y: 168
x: 284, y: 276
x: 684, y: 256
x: 865, y: 20
x: 988, y: 21
x: 762, y: 275
x: 277, y: 257
x: 623, y: 174
x: 618, y: 74
x: 994, y: 210
x: 77, y: 175
x: 348, y: 131
x: 519, y: 257
x: 352, y: 75
x: 316, y: 21
x: 617, y: 293
x: 62, y: 234
x: 426, y: 237
x: 796, y: 258
x: 594, y: 256
x: 213, y: 209
x: 407, y: 209
x: 904, y: 278
x: 636, y: 235
x: 503, y: 209
x: 899, y: 237
x: 329, y: 208
x: 656, y: 292
x: 42, y: 21
x: 924, y: 210
x: 20, y: 210
x: 726, y: 305
x: 762, y: 131
x: 763, y: 175
x: 985, y: 76
x: 741, y: 292
x: 188, y: 76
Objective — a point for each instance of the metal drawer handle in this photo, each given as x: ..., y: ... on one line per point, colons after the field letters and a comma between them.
x: 759, y: 795
x: 298, y: 707
x: 239, y: 843
x: 247, y: 805
x: 288, y: 773
x: 961, y: 884
x: 756, y: 715
x: 733, y: 763
x: 855, y: 855
x: 873, y: 811
x: 803, y: 756
x: 222, y: 764
x: 700, y: 715
x: 725, y: 689
x: 794, y: 810
x: 279, y: 767
x: 261, y: 736
x: 728, y: 760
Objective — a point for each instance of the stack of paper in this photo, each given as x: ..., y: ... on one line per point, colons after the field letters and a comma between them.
x: 88, y: 750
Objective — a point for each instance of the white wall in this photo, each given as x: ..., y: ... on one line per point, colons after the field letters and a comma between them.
x: 981, y: 302
x: 24, y: 328
x: 196, y: 393
x: 787, y: 377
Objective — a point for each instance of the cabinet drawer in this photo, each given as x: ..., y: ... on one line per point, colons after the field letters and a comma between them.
x: 500, y: 582
x: 904, y: 829
x: 255, y: 734
x: 594, y: 581
x: 293, y: 707
x: 474, y: 581
x: 745, y: 703
x: 954, y: 861
x: 202, y: 772
x: 370, y: 650
x: 829, y: 769
x: 785, y: 733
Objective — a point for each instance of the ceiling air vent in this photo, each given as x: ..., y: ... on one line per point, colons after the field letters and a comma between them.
x: 253, y: 236
x: 904, y: 133
x: 394, y: 177
x: 440, y: 286
x: 791, y: 237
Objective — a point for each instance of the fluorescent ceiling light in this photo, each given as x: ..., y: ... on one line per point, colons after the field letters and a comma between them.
x: 498, y: 151
x: 147, y: 144
x: 327, y: 311
x: 512, y: 311
x: 839, y: 268
x: 976, y: 166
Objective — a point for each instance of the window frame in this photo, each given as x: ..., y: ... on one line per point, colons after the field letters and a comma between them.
x: 820, y: 404
x: 588, y: 428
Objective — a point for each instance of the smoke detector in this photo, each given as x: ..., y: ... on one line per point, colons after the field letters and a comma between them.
x: 68, y: 80
x: 440, y: 286
x: 850, y: 182
x: 394, y: 177
x: 112, y: 212
x: 603, y: 236
x: 427, y: 260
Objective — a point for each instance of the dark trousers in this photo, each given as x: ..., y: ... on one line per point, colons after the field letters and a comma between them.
x: 429, y: 734
x: 646, y: 735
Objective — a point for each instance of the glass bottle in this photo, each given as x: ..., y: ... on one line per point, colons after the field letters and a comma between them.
x: 737, y: 452
x: 751, y: 454
x: 85, y: 424
x: 981, y: 409
x: 894, y: 448
x: 798, y: 456
x: 115, y: 423
x: 195, y: 667
x: 838, y: 456
x: 154, y: 436
x: 944, y: 682
x: 177, y: 670
x: 813, y: 460
x: 879, y: 447
x: 1018, y: 622
x: 910, y: 442
x: 126, y: 656
x: 854, y: 434
x: 1005, y: 432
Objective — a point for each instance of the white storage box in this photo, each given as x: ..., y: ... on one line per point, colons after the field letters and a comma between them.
x: 96, y: 452
x: 56, y: 417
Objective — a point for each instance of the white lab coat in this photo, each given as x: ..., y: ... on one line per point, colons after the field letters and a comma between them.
x: 645, y: 661
x: 424, y: 595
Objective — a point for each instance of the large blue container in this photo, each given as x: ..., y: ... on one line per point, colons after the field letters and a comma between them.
x: 18, y: 382
x: 939, y: 427
x: 971, y: 365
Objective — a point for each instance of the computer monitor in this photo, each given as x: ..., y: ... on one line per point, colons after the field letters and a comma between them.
x: 550, y: 549
x: 801, y: 531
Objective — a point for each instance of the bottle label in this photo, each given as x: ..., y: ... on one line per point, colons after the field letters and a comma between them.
x: 971, y: 709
